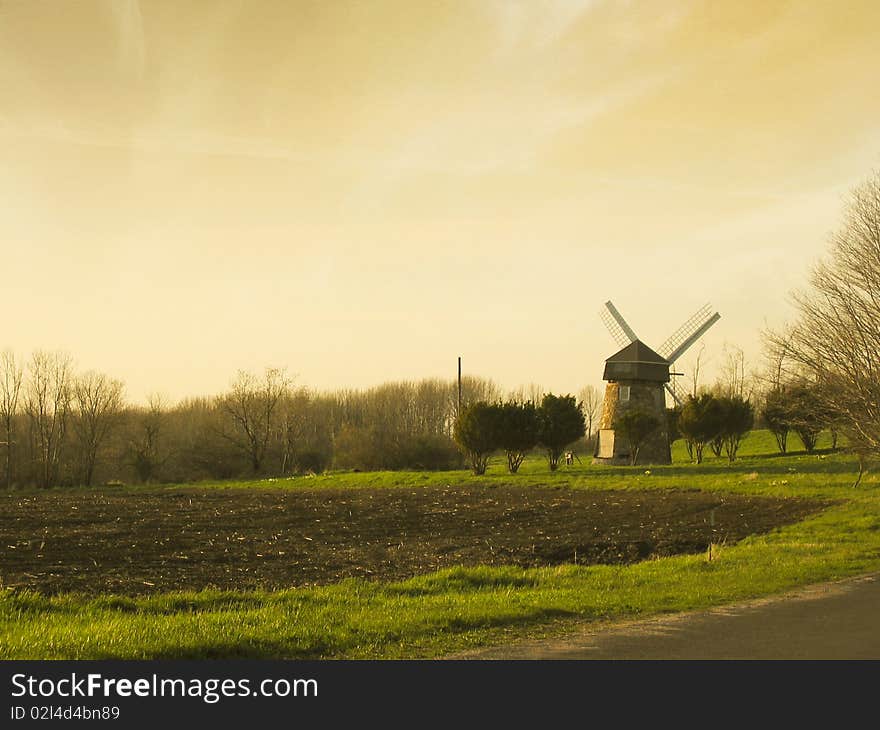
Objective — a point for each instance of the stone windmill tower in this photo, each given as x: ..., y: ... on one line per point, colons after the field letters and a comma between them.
x: 637, y: 377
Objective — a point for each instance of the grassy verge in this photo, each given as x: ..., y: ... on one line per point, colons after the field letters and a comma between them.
x: 467, y: 607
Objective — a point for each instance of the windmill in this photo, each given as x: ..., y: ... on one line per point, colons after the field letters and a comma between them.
x: 637, y: 377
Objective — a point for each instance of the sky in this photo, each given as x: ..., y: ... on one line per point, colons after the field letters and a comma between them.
x: 364, y: 191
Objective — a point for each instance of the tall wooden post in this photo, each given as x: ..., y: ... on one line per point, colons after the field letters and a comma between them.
x: 458, y: 412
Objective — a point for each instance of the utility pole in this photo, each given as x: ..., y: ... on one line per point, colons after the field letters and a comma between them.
x: 458, y: 412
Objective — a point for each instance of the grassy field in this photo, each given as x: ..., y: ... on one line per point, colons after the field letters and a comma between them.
x: 461, y: 607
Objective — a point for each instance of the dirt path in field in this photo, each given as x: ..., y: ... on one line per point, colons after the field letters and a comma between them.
x: 837, y: 620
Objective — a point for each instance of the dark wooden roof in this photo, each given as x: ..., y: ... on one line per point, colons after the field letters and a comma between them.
x: 637, y: 361
x: 638, y: 351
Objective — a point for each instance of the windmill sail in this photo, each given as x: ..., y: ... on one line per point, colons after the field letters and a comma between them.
x: 674, y: 347
x: 672, y: 389
x: 686, y: 335
x: 616, y: 325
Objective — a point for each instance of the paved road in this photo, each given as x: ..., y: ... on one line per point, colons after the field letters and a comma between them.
x: 838, y: 620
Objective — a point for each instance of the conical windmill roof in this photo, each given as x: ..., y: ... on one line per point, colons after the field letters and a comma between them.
x: 637, y: 362
x: 637, y: 351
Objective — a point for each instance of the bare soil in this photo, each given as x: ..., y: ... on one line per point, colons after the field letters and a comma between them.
x: 143, y: 541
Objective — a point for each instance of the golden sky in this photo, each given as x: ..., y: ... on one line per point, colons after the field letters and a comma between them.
x: 363, y: 191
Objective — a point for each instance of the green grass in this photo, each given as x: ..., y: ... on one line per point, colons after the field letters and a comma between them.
x: 460, y: 608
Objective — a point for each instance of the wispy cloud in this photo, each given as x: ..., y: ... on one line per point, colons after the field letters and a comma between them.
x: 537, y: 23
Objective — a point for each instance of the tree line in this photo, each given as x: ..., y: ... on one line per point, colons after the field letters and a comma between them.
x: 518, y: 427
x: 797, y: 407
x: 720, y: 420
x: 59, y: 426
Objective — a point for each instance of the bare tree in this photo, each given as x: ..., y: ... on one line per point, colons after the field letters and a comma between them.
x: 146, y: 447
x: 292, y: 414
x: 97, y: 404
x: 695, y: 368
x: 733, y: 380
x: 836, y: 337
x: 11, y: 374
x: 591, y: 402
x: 47, y: 403
x: 250, y: 405
x: 775, y: 357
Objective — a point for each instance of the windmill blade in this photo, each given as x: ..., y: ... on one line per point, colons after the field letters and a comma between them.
x: 686, y: 335
x: 675, y: 396
x: 616, y: 325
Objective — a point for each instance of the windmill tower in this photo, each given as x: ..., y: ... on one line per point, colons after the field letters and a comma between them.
x: 637, y: 377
